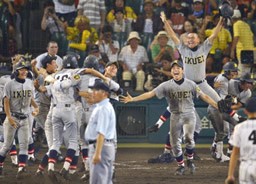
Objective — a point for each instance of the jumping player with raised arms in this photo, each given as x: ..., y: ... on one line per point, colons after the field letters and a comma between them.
x: 194, y: 57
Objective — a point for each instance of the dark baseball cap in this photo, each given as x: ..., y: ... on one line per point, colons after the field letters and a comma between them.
x: 247, y: 77
x: 250, y: 105
x: 100, y: 85
x: 21, y: 64
x: 177, y: 62
x: 47, y: 60
x: 112, y: 63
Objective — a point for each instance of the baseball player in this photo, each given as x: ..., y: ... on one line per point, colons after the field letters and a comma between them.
x: 244, y: 147
x: 18, y: 96
x: 194, y: 57
x: 179, y: 92
x: 101, y: 135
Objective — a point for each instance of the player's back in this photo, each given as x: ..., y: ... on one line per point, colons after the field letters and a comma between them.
x: 247, y: 139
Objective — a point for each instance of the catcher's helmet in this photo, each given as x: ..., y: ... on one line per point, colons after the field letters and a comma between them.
x: 91, y: 61
x: 230, y: 67
x: 70, y: 61
x: 247, y: 77
x: 226, y: 9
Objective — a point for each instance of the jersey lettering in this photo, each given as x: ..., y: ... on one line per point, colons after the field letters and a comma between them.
x: 22, y: 94
x: 180, y: 94
x: 194, y: 61
x: 252, y: 137
x: 62, y: 77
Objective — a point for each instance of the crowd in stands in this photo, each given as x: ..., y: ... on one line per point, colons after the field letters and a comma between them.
x: 132, y: 33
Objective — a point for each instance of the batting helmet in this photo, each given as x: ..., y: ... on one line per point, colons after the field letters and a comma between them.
x: 247, y: 77
x: 91, y: 61
x: 21, y: 64
x: 230, y: 67
x: 226, y: 9
x: 70, y: 61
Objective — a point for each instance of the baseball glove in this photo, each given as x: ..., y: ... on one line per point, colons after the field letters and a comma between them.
x: 224, y: 105
x: 153, y: 128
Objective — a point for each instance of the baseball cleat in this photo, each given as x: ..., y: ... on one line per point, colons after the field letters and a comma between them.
x: 180, y: 170
x: 86, y: 176
x: 22, y: 173
x: 39, y: 173
x: 163, y: 158
x: 52, y: 176
x: 191, y: 166
x: 224, y: 158
x: 65, y: 174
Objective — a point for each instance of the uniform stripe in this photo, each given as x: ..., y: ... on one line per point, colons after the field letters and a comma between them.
x: 51, y: 160
x: 68, y: 159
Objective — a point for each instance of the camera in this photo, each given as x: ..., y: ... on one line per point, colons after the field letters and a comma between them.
x: 51, y: 10
x: 248, y: 57
x: 158, y: 78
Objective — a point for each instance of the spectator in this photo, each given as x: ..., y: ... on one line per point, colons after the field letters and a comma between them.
x: 128, y: 11
x: 52, y: 50
x: 132, y: 58
x: 51, y: 22
x: 95, y: 11
x: 177, y: 15
x: 252, y: 11
x: 160, y: 47
x: 242, y: 40
x: 198, y: 13
x: 148, y: 22
x: 81, y: 36
x: 107, y: 45
x: 65, y: 10
x: 120, y: 23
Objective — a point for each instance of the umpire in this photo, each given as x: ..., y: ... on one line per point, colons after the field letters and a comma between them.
x: 101, y: 135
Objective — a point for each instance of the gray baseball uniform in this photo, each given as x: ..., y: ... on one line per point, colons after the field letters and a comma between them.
x: 19, y: 95
x: 181, y: 105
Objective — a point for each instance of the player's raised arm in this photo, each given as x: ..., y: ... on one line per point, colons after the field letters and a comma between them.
x: 216, y: 30
x: 169, y: 29
x: 144, y: 96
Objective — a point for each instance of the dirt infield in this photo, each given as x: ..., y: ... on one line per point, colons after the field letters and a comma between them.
x: 132, y: 168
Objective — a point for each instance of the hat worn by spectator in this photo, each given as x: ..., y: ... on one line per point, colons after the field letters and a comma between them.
x: 100, y: 85
x: 162, y: 33
x: 177, y: 62
x: 94, y: 48
x: 250, y: 105
x: 112, y: 63
x: 148, y: 2
x: 237, y: 14
x: 133, y: 34
x: 197, y: 1
x: 47, y: 60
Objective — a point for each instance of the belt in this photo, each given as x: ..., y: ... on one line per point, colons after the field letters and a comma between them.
x: 199, y: 82
x: 19, y: 116
x: 106, y: 140
x: 62, y: 105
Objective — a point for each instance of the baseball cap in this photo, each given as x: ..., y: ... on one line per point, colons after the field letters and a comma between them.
x: 162, y: 33
x: 111, y: 63
x: 177, y: 62
x: 47, y: 60
x: 197, y: 1
x: 100, y: 85
x: 250, y: 105
x: 148, y: 1
x: 237, y: 14
x: 247, y: 77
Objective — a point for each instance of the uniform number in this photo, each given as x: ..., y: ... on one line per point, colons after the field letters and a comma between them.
x: 62, y: 77
x: 252, y: 136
